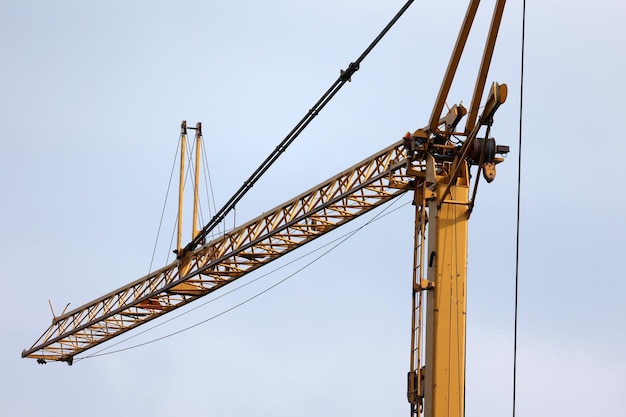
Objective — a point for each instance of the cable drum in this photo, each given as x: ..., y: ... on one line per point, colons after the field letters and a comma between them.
x: 483, y: 150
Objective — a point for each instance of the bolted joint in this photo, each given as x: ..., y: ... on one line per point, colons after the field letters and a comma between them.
x: 346, y: 75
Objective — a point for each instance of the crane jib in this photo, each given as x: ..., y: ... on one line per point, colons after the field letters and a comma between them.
x: 323, y: 208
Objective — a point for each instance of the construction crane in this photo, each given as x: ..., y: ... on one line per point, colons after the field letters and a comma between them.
x: 433, y: 162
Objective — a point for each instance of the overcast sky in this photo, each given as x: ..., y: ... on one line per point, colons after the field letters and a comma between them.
x: 93, y: 94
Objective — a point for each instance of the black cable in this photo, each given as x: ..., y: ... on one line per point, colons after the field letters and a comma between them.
x: 167, y: 193
x: 344, y: 77
x: 519, y: 183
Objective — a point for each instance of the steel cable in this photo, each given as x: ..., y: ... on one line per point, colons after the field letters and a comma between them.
x: 519, y: 182
x: 345, y: 76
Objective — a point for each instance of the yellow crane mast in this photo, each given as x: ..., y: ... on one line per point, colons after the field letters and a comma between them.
x: 433, y: 162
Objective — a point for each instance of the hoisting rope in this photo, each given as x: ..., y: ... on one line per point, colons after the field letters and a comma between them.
x: 519, y: 182
x: 167, y: 193
x: 345, y: 76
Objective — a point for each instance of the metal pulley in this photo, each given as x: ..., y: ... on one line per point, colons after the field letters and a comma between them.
x: 482, y: 150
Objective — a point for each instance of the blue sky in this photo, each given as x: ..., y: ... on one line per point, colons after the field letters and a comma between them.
x: 92, y: 99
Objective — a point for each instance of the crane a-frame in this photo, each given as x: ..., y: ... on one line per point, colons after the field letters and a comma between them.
x: 433, y: 162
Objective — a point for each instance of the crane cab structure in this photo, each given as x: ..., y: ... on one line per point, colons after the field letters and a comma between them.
x: 433, y: 162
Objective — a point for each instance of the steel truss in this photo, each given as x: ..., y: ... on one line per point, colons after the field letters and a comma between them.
x: 353, y: 192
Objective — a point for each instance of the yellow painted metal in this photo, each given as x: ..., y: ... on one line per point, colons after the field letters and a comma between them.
x: 438, y: 173
x: 181, y: 186
x: 415, y: 393
x: 497, y: 96
x: 455, y: 58
x: 444, y: 386
x: 196, y: 179
x: 351, y: 193
x: 481, y: 79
